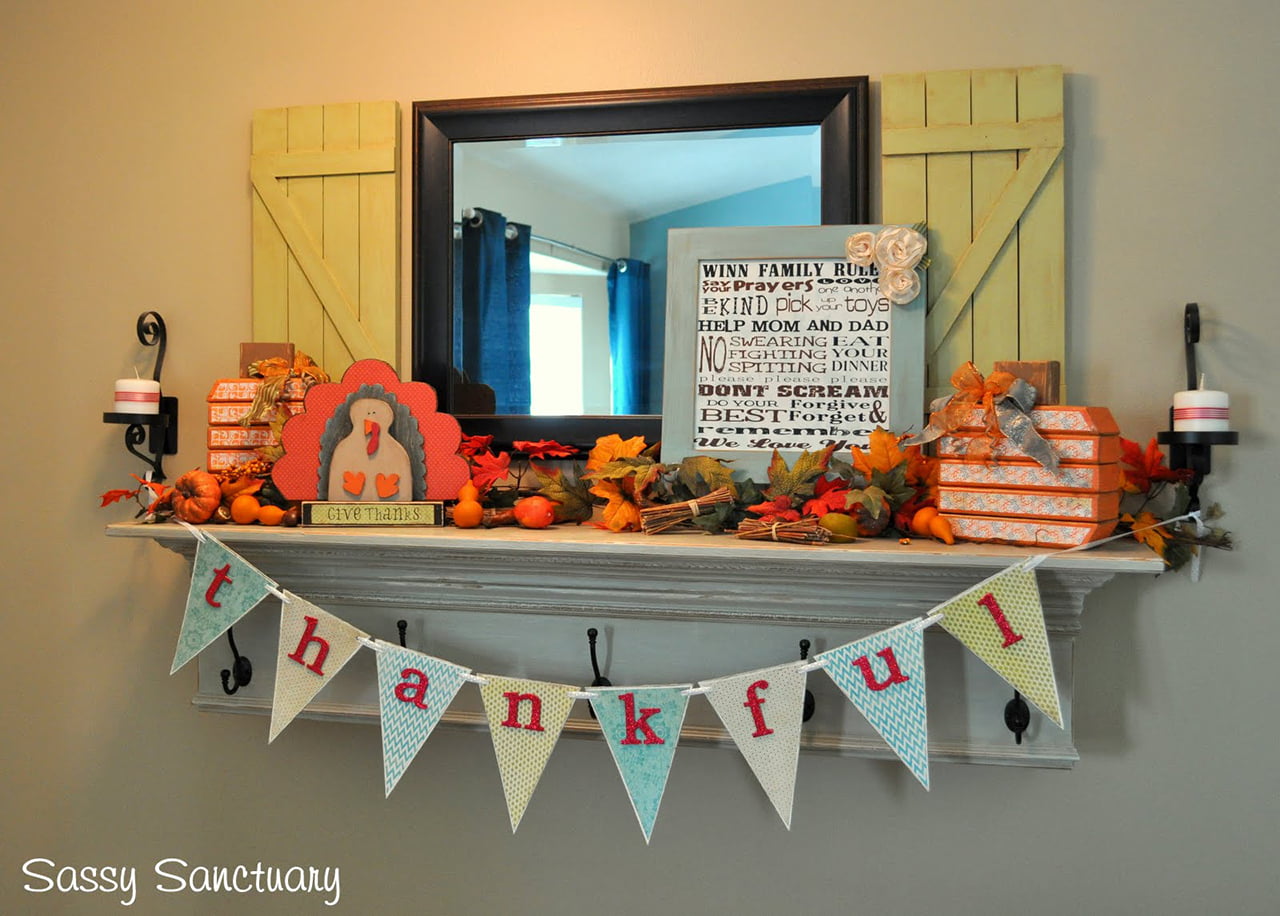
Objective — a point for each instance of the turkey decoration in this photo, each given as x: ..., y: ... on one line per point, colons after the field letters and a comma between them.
x: 371, y: 438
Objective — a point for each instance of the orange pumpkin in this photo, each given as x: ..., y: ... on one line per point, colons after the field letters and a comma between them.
x: 196, y: 494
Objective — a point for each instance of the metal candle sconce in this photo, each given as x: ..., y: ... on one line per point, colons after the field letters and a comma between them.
x: 159, y: 430
x: 1193, y: 450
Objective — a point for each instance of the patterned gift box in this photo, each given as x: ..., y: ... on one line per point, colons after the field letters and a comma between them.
x: 223, y: 459
x: 1029, y: 475
x: 246, y: 389
x: 1060, y: 419
x: 1029, y: 532
x: 1094, y: 449
x: 240, y: 437
x: 229, y: 413
x: 1077, y: 506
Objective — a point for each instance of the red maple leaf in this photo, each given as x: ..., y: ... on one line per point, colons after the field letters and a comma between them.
x: 544, y: 448
x: 829, y: 495
x: 488, y: 468
x: 114, y: 496
x: 778, y: 509
x: 473, y: 445
x: 1142, y: 468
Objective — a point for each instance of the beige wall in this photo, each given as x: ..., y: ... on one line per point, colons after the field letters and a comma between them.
x: 124, y: 187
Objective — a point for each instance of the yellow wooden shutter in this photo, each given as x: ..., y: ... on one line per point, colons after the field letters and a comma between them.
x: 978, y: 156
x: 326, y: 246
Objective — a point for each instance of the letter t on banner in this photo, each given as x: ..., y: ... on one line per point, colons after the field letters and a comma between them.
x: 223, y: 589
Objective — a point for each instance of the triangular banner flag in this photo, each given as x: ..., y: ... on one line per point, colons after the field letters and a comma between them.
x: 525, y: 719
x: 641, y: 725
x: 1001, y: 621
x: 414, y: 690
x: 223, y: 589
x: 762, y: 711
x: 314, y: 646
x: 883, y: 675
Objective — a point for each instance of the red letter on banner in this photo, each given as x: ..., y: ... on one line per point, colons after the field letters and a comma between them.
x: 640, y: 724
x: 513, y: 711
x: 309, y: 636
x: 988, y: 601
x: 220, y: 576
x: 409, y: 692
x: 754, y: 703
x: 895, y: 673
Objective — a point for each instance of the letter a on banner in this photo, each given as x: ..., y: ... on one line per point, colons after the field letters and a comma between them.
x: 884, y: 677
x: 314, y: 645
x: 525, y: 719
x: 223, y: 589
x: 762, y: 711
x: 1001, y: 621
x: 414, y: 690
x: 641, y: 725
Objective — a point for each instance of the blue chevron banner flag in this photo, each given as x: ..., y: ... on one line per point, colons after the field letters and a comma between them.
x: 414, y: 690
x: 223, y: 589
x: 883, y: 675
x: 641, y: 725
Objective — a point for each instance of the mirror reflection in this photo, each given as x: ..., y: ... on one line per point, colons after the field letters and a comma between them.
x: 560, y: 255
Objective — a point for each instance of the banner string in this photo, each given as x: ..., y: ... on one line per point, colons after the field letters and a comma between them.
x: 272, y: 586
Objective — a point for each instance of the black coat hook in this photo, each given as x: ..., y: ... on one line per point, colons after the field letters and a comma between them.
x: 809, y: 703
x: 1017, y: 716
x: 241, y: 669
x: 600, y: 680
x: 403, y: 627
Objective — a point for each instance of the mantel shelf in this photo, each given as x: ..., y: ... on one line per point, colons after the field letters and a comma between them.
x: 671, y: 608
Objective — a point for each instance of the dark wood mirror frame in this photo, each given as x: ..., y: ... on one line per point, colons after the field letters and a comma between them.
x: 839, y: 105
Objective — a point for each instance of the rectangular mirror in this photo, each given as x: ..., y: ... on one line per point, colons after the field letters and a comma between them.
x: 564, y: 200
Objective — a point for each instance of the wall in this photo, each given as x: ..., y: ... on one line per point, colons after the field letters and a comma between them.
x: 124, y: 181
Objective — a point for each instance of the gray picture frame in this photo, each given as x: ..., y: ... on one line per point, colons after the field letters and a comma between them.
x: 739, y: 314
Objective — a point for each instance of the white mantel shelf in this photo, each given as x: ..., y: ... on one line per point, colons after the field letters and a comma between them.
x: 670, y: 608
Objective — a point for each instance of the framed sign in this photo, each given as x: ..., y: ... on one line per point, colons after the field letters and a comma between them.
x: 776, y: 340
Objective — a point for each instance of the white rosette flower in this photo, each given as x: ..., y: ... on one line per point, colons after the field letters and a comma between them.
x: 899, y: 248
x: 899, y: 285
x: 861, y: 248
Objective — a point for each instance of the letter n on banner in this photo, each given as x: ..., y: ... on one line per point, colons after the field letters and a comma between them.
x: 1001, y: 621
x: 883, y: 675
x: 223, y: 589
x: 525, y: 719
x: 641, y: 725
x: 314, y: 645
x: 414, y: 690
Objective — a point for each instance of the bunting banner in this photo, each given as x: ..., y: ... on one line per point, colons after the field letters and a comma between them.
x: 314, y: 646
x: 223, y: 589
x: 762, y: 711
x: 414, y: 690
x: 641, y: 725
x: 883, y: 675
x: 1001, y: 621
x: 525, y: 719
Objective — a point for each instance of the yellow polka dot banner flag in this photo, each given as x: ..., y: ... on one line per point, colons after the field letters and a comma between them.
x: 314, y: 646
x: 762, y: 711
x: 525, y: 720
x: 1001, y: 621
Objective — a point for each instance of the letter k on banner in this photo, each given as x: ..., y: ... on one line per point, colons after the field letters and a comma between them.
x: 641, y: 725
x: 223, y: 589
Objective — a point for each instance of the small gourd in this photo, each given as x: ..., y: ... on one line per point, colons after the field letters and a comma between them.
x: 467, y: 511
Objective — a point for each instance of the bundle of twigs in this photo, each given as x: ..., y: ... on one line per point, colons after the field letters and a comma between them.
x: 805, y: 531
x: 657, y: 519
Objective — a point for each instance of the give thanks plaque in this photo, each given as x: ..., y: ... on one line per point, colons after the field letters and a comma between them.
x: 777, y: 340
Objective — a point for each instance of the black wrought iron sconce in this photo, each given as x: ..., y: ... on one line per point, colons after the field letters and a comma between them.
x: 159, y: 431
x: 1193, y: 449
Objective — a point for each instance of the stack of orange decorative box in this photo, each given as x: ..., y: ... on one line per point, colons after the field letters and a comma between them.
x: 1013, y: 500
x: 231, y: 444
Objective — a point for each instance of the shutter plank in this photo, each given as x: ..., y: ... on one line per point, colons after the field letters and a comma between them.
x: 995, y: 301
x: 306, y: 195
x: 270, y: 253
x: 341, y: 216
x: 379, y: 240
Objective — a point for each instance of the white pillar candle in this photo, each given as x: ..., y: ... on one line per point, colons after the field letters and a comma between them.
x: 1201, y: 410
x: 137, y: 395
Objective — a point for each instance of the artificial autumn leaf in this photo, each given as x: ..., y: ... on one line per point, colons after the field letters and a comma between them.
x: 873, y: 499
x: 474, y: 445
x: 778, y: 509
x: 611, y: 448
x: 1145, y: 531
x: 828, y: 496
x: 572, y: 497
x: 893, y: 483
x: 620, y: 512
x: 488, y: 468
x: 1142, y: 468
x: 702, y: 474
x: 240, y: 486
x: 882, y: 453
x: 114, y: 496
x: 544, y: 448
x: 922, y: 470
x: 797, y: 480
